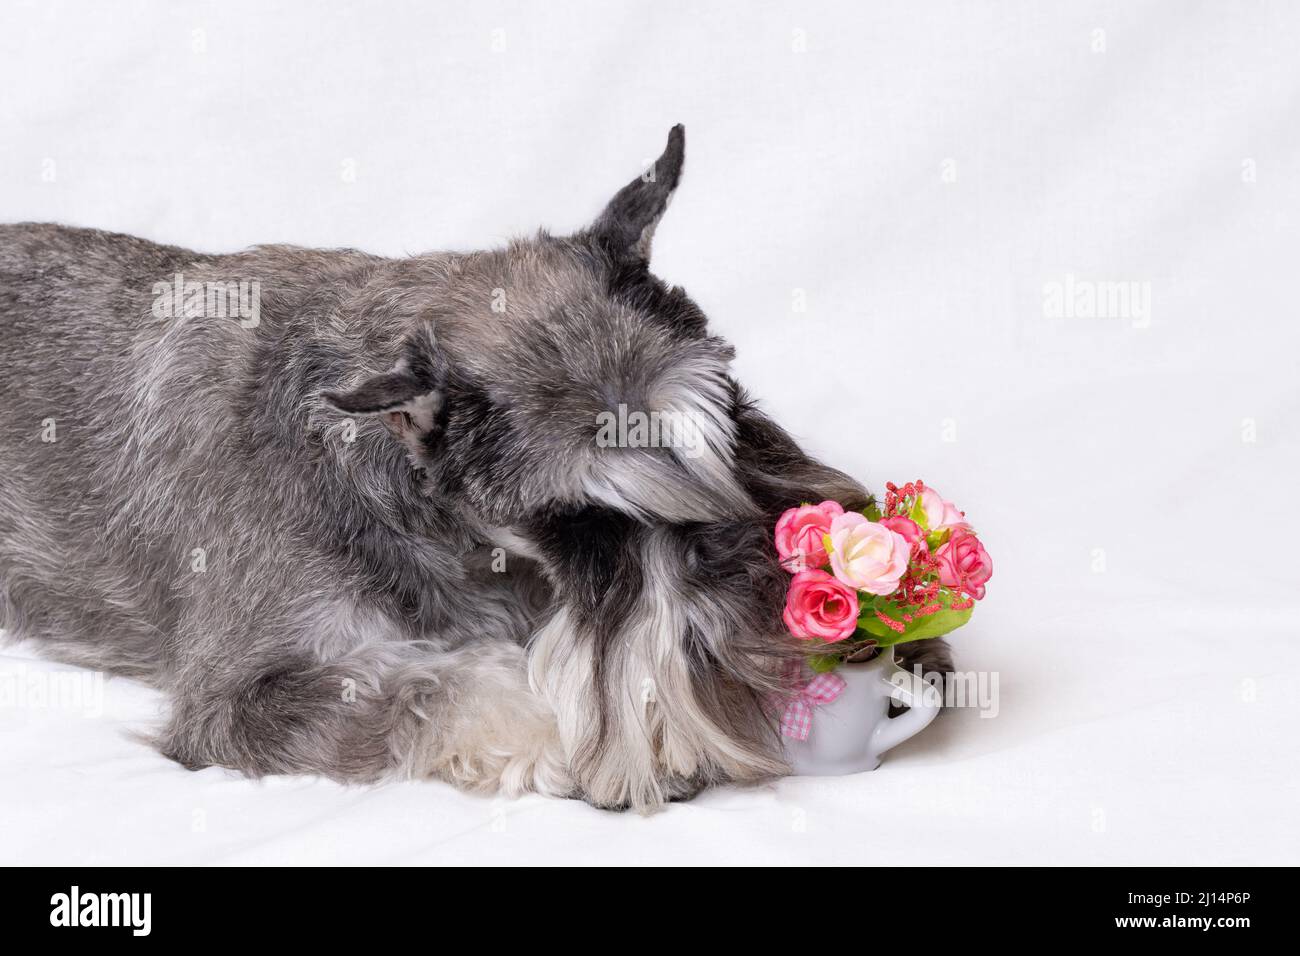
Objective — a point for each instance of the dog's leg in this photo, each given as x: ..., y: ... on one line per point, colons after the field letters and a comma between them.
x: 386, y: 709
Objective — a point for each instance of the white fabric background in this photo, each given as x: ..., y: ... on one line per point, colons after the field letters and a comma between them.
x: 1148, y: 711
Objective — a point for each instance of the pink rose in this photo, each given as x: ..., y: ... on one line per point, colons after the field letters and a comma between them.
x: 799, y: 535
x: 819, y: 607
x: 941, y: 513
x: 909, y: 529
x: 866, y: 555
x: 964, y: 564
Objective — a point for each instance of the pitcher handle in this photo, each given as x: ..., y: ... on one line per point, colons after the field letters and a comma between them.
x: 923, y: 702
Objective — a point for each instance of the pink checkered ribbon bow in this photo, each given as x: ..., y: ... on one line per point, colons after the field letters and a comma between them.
x: 822, y: 689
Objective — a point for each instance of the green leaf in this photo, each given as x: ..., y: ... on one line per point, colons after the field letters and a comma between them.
x: 917, y: 514
x: 877, y: 630
x: 935, y: 625
x: 937, y: 539
x: 824, y: 663
x: 919, y: 629
x: 872, y: 511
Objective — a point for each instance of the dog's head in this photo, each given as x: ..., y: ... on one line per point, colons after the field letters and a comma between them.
x: 561, y: 393
x: 559, y: 373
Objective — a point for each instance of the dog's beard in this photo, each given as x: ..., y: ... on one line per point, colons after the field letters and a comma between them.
x: 663, y: 687
x: 666, y: 653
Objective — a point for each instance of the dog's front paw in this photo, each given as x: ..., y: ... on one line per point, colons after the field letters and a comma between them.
x: 672, y: 790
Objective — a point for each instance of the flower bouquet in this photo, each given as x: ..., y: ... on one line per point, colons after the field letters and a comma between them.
x: 861, y: 583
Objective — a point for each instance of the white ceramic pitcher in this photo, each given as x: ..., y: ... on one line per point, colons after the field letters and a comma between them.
x: 849, y: 734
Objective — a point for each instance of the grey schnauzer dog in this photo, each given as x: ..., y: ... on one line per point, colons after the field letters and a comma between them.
x: 351, y: 514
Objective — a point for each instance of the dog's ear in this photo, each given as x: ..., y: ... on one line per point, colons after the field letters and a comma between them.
x: 410, y: 398
x: 627, y: 225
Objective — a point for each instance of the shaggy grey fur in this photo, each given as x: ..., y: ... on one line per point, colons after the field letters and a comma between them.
x: 368, y: 530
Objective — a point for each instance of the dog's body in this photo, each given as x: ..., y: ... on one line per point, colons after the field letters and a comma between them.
x: 371, y: 532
